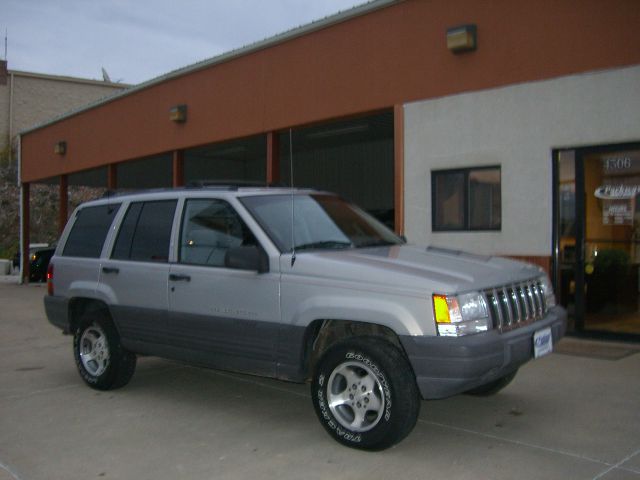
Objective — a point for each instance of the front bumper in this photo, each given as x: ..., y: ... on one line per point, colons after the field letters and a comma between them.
x: 446, y: 366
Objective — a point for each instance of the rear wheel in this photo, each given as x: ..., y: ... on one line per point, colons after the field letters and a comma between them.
x: 102, y: 362
x: 364, y: 393
x: 494, y: 387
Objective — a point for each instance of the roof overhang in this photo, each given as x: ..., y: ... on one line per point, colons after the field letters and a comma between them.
x: 329, y: 21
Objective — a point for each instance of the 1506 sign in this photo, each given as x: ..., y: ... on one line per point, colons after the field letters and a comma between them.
x: 613, y: 164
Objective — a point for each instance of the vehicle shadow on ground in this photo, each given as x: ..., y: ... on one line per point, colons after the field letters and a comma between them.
x: 261, y: 400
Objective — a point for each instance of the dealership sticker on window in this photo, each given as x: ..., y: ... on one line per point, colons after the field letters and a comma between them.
x: 542, y: 342
x: 618, y: 212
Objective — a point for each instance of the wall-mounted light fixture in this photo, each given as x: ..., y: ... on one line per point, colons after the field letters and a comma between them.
x: 462, y: 38
x: 60, y: 148
x: 178, y: 114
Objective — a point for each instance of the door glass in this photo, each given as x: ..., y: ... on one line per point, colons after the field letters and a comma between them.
x: 612, y: 241
x: 566, y: 288
x: 146, y: 232
x: 209, y: 229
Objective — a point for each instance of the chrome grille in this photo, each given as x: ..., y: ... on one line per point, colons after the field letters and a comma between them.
x: 516, y: 305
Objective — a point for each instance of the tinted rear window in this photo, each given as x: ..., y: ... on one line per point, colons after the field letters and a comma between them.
x: 89, y: 231
x: 145, y: 233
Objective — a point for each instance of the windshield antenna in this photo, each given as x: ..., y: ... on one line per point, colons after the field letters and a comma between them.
x: 293, y: 235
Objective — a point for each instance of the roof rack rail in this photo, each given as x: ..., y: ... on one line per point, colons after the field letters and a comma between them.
x: 227, y: 184
x: 132, y: 191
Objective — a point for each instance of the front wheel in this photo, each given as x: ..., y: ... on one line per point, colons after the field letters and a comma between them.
x: 365, y: 394
x: 101, y: 360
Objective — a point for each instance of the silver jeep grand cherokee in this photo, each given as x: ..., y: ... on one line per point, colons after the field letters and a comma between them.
x: 296, y: 285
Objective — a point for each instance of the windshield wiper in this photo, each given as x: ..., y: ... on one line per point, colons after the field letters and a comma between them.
x: 326, y: 244
x: 376, y: 243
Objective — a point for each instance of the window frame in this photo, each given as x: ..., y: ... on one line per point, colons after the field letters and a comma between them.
x: 466, y: 171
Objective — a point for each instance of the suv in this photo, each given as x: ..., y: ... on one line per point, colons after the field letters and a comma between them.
x: 295, y: 285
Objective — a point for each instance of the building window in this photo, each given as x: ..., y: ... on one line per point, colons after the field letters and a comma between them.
x: 466, y: 199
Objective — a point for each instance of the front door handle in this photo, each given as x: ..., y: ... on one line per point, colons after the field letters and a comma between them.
x: 110, y: 270
x: 174, y: 277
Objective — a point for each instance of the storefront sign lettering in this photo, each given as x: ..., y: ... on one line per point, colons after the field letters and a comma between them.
x: 617, y: 192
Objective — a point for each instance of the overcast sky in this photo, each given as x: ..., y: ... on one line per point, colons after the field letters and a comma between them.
x: 135, y: 40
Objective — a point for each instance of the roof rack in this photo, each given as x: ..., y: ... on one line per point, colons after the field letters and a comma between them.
x: 226, y: 184
x: 123, y: 193
x: 234, y: 184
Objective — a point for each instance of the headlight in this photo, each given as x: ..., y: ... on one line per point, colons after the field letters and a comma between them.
x: 458, y: 315
x: 547, y: 290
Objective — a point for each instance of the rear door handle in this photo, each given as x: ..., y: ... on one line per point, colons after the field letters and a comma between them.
x: 174, y: 277
x: 110, y: 270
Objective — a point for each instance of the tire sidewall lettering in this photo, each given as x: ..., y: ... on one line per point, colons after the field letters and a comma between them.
x: 388, y: 370
x: 339, y: 431
x: 330, y: 422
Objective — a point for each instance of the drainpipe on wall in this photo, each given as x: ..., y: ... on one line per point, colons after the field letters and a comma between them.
x: 22, y: 252
x: 10, y: 108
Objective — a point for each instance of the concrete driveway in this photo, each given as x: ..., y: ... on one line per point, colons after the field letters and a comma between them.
x: 564, y: 417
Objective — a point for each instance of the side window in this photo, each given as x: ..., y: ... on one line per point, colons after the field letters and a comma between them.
x: 209, y: 228
x: 145, y: 232
x: 89, y: 231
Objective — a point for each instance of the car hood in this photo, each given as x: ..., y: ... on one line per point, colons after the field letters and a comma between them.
x: 411, y: 267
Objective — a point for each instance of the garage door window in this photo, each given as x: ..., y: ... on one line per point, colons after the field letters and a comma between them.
x: 466, y: 199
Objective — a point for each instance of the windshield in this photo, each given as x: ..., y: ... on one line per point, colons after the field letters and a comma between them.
x: 320, y: 222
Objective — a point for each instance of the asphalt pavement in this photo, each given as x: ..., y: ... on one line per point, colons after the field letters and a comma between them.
x: 566, y: 416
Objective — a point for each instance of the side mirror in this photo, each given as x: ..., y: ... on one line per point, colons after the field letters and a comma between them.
x: 247, y: 258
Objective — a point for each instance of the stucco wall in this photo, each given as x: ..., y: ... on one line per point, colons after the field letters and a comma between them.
x: 515, y: 127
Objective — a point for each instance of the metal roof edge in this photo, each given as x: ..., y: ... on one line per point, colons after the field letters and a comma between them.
x: 316, y: 25
x: 67, y: 78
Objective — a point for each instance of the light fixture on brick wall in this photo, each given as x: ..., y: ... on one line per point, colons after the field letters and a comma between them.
x: 60, y: 148
x: 178, y: 114
x: 463, y: 38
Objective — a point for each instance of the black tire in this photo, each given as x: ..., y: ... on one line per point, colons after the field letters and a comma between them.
x: 102, y: 362
x: 493, y: 387
x: 382, y: 378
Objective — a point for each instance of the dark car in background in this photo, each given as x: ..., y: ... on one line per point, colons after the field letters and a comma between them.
x: 39, y: 258
x: 39, y: 262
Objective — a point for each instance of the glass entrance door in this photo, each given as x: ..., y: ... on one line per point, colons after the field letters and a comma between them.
x: 598, y: 238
